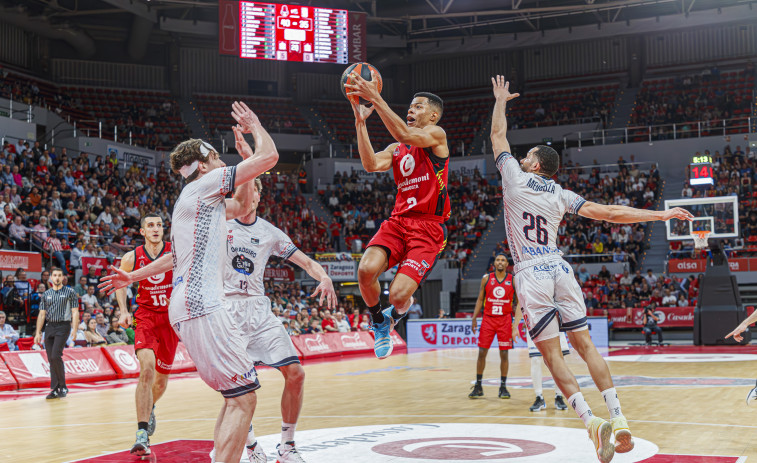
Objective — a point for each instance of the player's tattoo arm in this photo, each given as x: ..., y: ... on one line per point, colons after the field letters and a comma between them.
x: 127, y: 265
x: 624, y: 214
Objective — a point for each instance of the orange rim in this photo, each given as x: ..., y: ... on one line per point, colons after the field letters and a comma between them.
x: 702, y: 234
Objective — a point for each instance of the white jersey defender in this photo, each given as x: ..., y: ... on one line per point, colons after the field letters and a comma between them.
x: 534, y: 207
x: 248, y: 248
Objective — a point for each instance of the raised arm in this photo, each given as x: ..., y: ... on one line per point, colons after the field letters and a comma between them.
x: 241, y: 203
x: 266, y: 156
x: 127, y: 265
x: 427, y: 137
x: 121, y: 279
x: 479, y: 303
x: 372, y: 162
x: 624, y: 214
x: 499, y: 120
x: 314, y: 269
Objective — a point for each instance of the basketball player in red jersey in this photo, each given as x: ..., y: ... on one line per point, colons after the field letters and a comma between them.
x: 415, y: 235
x: 497, y: 296
x: 154, y: 339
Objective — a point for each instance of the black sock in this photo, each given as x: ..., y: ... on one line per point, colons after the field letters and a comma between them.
x: 142, y: 425
x: 503, y: 380
x: 376, y: 314
x: 478, y: 379
x: 395, y: 315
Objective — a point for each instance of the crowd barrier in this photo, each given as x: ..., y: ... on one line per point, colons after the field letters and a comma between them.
x: 323, y: 345
x: 30, y: 368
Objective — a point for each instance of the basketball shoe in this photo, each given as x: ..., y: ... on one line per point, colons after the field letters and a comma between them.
x: 560, y: 403
x: 247, y: 456
x: 503, y: 392
x: 538, y: 405
x: 623, y: 439
x: 255, y: 453
x: 151, y: 423
x: 382, y: 340
x: 477, y: 392
x: 752, y: 397
x: 288, y: 454
x: 142, y: 445
x: 600, y: 432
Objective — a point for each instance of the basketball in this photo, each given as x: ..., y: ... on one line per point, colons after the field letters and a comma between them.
x: 364, y: 71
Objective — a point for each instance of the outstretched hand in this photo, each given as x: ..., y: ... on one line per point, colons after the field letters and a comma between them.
x: 362, y: 112
x: 244, y: 116
x: 110, y: 283
x: 736, y: 333
x: 326, y: 289
x: 243, y: 148
x: 502, y: 89
x: 677, y: 213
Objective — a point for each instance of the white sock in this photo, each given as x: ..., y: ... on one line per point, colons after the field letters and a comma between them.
x: 612, y: 402
x: 581, y: 407
x: 250, y: 437
x: 536, y: 375
x: 287, y: 432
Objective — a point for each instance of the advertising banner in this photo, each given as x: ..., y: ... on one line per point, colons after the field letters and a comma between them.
x: 11, y: 260
x: 467, y: 166
x: 124, y: 360
x: 98, y: 263
x: 279, y: 274
x: 128, y: 156
x: 453, y: 333
x: 737, y: 264
x: 182, y: 362
x: 357, y: 36
x: 87, y: 364
x: 341, y: 271
x: 354, y: 342
x: 314, y: 346
x: 7, y: 381
x: 668, y: 317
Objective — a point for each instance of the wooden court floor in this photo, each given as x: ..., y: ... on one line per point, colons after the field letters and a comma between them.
x: 666, y: 407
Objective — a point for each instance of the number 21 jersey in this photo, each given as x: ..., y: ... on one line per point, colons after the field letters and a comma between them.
x: 154, y: 292
x: 499, y: 295
x: 534, y: 207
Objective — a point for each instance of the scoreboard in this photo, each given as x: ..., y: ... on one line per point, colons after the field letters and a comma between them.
x: 285, y: 32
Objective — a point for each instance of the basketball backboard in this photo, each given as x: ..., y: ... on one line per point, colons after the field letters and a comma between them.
x: 718, y: 215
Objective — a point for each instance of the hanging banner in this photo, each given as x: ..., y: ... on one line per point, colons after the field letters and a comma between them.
x: 467, y: 165
x: 128, y: 156
x: 29, y: 261
x: 340, y: 271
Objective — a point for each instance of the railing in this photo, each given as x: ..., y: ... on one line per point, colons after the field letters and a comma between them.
x: 605, y: 168
x: 17, y: 110
x: 651, y: 133
x: 595, y: 258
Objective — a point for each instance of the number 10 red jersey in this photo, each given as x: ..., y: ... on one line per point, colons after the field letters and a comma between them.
x: 421, y: 179
x: 154, y: 293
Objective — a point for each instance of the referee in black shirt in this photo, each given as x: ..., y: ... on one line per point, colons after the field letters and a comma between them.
x: 60, y: 308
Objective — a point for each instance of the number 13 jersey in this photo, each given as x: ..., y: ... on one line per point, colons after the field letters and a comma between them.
x: 534, y: 207
x: 248, y: 247
x: 154, y: 292
x: 421, y: 179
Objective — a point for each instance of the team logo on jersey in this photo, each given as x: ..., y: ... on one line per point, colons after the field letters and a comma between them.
x: 407, y: 164
x: 429, y: 333
x: 243, y: 265
x: 499, y: 292
x: 254, y: 241
x: 565, y: 268
x: 157, y: 278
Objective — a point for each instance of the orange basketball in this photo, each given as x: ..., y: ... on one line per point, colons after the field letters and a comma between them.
x: 364, y: 71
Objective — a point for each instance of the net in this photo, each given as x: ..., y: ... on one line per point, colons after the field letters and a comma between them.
x: 700, y: 238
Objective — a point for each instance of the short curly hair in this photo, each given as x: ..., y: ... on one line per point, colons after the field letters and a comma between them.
x: 185, y: 154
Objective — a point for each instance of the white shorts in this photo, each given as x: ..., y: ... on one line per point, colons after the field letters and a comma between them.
x: 268, y: 342
x: 218, y: 348
x: 534, y: 352
x: 549, y: 290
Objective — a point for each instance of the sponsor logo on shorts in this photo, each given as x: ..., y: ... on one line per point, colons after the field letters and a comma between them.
x: 244, y: 376
x: 164, y: 365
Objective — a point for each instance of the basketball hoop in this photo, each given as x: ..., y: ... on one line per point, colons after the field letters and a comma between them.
x: 700, y: 238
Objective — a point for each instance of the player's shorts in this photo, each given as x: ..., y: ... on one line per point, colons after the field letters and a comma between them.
x: 152, y: 330
x: 218, y: 348
x: 548, y: 290
x: 534, y: 352
x: 412, y: 243
x: 268, y: 343
x: 502, y: 326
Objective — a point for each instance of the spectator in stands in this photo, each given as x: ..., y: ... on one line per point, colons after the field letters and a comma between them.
x: 342, y: 325
x: 22, y: 283
x: 415, y: 311
x: 85, y: 317
x: 102, y: 325
x: 649, y: 322
x: 650, y: 277
x: 314, y: 327
x: 669, y: 300
x: 92, y: 335
x: 81, y: 287
x: 8, y: 335
x: 336, y: 234
x: 35, y: 298
x: 18, y: 233
x: 583, y: 275
x: 90, y: 301
x: 365, y: 323
x: 604, y: 274
x: 328, y: 324
x: 116, y: 334
x: 92, y: 279
x: 55, y: 248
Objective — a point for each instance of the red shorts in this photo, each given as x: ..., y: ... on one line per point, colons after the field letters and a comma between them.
x: 502, y: 326
x: 413, y: 244
x: 154, y: 331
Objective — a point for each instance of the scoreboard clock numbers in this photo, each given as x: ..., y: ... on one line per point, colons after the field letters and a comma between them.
x: 701, y: 172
